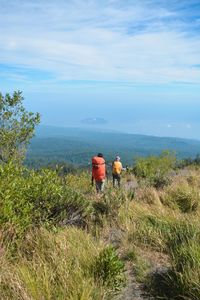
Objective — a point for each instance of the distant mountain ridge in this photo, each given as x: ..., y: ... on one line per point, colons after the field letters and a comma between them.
x: 77, y: 145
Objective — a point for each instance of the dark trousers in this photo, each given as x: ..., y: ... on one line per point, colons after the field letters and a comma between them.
x: 100, y: 186
x: 116, y: 179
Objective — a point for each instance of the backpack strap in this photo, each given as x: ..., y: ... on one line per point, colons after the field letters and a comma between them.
x: 96, y: 164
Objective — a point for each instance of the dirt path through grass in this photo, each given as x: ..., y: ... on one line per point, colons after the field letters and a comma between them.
x: 156, y: 265
x: 135, y: 290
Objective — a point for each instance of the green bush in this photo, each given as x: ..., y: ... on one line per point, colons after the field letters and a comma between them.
x: 155, y: 169
x: 29, y: 198
x: 110, y: 269
x: 183, y: 197
x: 109, y: 204
x: 79, y: 182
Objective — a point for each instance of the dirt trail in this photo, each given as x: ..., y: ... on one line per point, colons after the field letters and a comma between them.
x: 133, y: 290
x: 158, y: 266
x: 136, y: 290
x: 158, y: 262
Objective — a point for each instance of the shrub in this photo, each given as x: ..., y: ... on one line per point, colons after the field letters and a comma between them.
x: 30, y: 198
x: 110, y: 202
x: 155, y: 169
x: 193, y: 179
x: 80, y: 182
x: 110, y: 269
x: 184, y: 197
x: 187, y: 199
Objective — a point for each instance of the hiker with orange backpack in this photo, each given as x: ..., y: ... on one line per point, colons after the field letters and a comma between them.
x: 116, y: 171
x: 99, y: 172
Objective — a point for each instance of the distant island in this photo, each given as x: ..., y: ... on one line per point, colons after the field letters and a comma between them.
x: 94, y: 121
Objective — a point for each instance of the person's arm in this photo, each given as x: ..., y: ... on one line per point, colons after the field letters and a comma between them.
x: 123, y: 169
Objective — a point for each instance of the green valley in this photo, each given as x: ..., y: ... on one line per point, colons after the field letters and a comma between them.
x: 77, y: 146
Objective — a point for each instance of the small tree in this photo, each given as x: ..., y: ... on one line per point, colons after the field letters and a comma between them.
x: 16, y: 126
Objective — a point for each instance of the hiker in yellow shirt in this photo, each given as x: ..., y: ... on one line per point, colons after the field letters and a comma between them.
x: 116, y: 171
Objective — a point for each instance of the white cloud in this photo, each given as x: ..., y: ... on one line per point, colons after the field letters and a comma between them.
x: 139, y: 42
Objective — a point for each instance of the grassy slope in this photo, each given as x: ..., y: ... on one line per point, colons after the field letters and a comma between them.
x: 146, y: 223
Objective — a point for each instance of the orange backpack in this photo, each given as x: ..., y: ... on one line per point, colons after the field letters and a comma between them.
x: 117, y: 167
x: 98, y: 168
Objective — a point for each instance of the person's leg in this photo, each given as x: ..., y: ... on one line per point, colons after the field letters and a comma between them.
x: 119, y: 180
x: 100, y: 186
x: 114, y: 180
x: 97, y: 186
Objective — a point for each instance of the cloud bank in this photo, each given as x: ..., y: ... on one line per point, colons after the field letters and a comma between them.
x: 135, y: 42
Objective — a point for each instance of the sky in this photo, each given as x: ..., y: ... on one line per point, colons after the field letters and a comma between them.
x: 134, y: 63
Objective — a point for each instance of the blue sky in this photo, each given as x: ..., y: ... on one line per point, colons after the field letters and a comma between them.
x: 135, y: 63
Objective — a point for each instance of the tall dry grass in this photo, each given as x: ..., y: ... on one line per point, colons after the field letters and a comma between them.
x: 52, y: 265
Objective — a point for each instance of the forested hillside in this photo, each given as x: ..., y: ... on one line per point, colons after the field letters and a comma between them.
x: 77, y: 146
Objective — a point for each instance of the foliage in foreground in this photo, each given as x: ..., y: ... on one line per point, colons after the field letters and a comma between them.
x: 60, y: 265
x: 30, y: 198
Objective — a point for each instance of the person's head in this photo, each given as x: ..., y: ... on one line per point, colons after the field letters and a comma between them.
x: 117, y: 158
x: 100, y: 155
